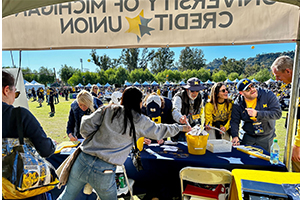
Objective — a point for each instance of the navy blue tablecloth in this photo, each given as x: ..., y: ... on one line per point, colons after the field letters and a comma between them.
x: 162, y: 176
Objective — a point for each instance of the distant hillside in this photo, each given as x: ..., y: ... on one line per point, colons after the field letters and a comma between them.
x: 260, y: 59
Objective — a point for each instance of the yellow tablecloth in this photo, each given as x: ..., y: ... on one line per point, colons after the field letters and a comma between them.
x: 260, y: 175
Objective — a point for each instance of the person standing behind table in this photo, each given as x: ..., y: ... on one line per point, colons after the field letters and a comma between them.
x: 258, y: 109
x: 187, y: 106
x: 218, y: 112
x: 282, y: 68
x: 31, y: 127
x: 84, y: 104
x: 112, y: 143
x: 159, y: 110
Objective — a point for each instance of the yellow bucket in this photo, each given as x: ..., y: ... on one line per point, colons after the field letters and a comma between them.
x: 196, y: 144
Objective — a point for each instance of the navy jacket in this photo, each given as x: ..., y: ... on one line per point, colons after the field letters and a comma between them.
x: 32, y: 130
x: 166, y: 112
x: 268, y: 110
x: 76, y: 114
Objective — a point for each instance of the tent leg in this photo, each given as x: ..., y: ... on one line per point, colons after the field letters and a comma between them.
x: 292, y: 117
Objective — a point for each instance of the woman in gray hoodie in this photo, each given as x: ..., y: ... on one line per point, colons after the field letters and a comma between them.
x: 111, y: 144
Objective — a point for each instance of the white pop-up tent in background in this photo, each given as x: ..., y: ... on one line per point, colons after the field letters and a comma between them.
x: 22, y: 99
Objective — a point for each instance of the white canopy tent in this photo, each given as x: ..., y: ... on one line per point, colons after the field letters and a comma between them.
x: 143, y: 23
x: 22, y: 99
x: 36, y: 86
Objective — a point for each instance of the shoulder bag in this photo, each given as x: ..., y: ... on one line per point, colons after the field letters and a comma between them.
x: 24, y: 172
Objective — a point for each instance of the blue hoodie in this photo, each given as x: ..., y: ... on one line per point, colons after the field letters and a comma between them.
x: 268, y: 111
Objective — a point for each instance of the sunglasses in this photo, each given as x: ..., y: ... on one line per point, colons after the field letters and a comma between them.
x: 224, y: 90
x: 194, y: 90
x: 249, y: 88
x: 17, y: 94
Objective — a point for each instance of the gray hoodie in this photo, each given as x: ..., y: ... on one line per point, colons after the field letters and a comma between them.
x: 109, y: 144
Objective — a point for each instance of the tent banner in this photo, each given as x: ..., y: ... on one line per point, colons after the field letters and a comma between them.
x: 87, y: 24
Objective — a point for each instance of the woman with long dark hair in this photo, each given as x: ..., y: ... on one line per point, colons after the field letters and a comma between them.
x: 111, y: 144
x: 218, y: 111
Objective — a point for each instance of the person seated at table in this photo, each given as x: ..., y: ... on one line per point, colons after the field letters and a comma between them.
x: 84, y: 104
x: 111, y: 144
x: 218, y: 112
x: 159, y: 109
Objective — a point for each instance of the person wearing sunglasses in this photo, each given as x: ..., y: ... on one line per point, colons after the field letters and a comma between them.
x: 187, y: 105
x: 31, y: 127
x: 282, y: 68
x: 218, y: 112
x: 258, y: 109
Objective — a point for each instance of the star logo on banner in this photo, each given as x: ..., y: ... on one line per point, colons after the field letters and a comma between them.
x: 139, y: 25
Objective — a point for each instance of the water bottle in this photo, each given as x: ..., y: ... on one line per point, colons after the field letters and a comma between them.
x: 274, y: 157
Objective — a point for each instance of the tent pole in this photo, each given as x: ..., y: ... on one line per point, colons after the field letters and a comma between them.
x: 292, y: 117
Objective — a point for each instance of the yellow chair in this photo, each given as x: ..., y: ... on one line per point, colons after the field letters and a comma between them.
x: 202, y: 175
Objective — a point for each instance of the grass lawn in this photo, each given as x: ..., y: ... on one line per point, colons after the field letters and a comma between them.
x: 55, y: 126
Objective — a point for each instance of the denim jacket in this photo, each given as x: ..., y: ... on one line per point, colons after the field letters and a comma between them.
x: 76, y: 114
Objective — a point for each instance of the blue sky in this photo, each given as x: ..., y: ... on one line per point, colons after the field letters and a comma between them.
x: 56, y: 58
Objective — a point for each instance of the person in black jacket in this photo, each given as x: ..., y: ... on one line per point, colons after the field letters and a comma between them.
x: 51, y: 101
x: 31, y: 127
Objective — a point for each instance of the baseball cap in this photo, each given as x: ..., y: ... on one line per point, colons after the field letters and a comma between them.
x: 194, y: 84
x: 243, y: 84
x: 116, y: 97
x: 154, y: 98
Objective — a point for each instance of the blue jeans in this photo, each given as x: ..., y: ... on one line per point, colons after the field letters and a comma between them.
x: 90, y: 169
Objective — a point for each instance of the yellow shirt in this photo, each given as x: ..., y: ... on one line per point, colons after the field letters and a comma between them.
x: 221, y: 114
x: 251, y: 104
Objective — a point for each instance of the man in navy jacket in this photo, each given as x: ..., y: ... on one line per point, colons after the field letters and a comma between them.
x: 258, y: 109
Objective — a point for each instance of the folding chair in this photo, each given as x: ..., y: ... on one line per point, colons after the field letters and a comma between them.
x: 201, y: 175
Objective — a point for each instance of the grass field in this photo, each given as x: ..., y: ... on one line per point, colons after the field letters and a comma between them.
x: 55, y: 126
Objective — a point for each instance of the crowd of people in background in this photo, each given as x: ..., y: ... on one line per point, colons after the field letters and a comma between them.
x: 224, y: 105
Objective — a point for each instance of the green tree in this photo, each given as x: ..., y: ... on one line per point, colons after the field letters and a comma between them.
x: 250, y: 70
x: 191, y: 59
x: 121, y: 75
x: 232, y: 76
x: 171, y: 76
x: 263, y: 75
x: 162, y: 60
x: 66, y: 72
x: 232, y: 65
x: 129, y: 58
x: 103, y: 62
x: 146, y: 57
x: 29, y: 75
x: 219, y: 76
x: 203, y: 74
x: 46, y: 75
x: 140, y: 76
